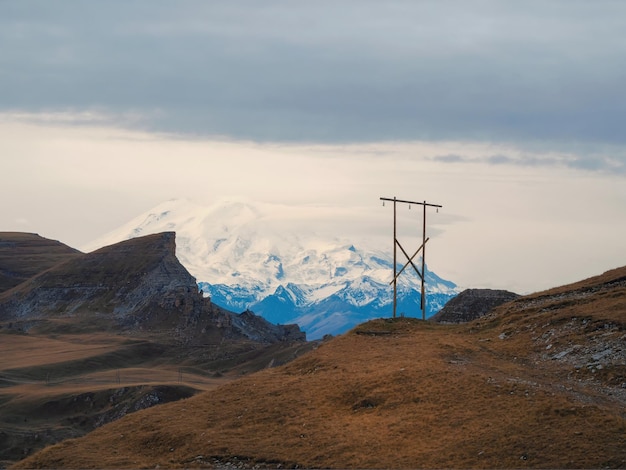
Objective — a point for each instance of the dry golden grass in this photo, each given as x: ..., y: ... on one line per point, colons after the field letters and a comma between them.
x: 26, y: 351
x: 44, y: 379
x: 23, y: 255
x: 368, y: 410
x: 55, y: 386
x: 403, y: 394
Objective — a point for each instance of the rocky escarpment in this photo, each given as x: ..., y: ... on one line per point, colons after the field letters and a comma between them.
x: 590, y: 338
x: 137, y: 286
x: 472, y: 304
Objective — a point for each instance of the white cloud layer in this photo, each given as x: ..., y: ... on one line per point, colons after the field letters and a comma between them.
x: 523, y: 227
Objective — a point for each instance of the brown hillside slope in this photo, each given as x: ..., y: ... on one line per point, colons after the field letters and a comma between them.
x: 113, y: 331
x: 538, y: 383
x: 23, y: 255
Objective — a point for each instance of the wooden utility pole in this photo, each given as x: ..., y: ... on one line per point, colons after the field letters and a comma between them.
x: 422, y: 248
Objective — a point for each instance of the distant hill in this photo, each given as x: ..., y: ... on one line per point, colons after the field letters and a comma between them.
x: 22, y: 255
x: 539, y: 382
x: 472, y: 304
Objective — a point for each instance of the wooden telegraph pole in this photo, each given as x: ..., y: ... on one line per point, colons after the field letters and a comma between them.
x: 422, y: 248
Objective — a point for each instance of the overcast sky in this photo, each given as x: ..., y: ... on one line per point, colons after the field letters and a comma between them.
x: 509, y: 114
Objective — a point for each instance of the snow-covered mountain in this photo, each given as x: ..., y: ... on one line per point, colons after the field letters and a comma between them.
x: 244, y: 258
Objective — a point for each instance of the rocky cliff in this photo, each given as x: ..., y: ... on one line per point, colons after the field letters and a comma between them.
x: 472, y: 304
x: 134, y: 286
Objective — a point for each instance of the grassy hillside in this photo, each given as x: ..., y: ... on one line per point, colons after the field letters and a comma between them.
x: 59, y: 386
x: 23, y: 255
x: 538, y: 383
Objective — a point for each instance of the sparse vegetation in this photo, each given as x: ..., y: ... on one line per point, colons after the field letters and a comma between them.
x: 537, y: 382
x: 55, y: 387
x: 23, y: 255
x: 500, y: 392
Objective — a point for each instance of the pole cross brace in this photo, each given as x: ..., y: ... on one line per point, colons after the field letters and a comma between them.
x: 410, y: 261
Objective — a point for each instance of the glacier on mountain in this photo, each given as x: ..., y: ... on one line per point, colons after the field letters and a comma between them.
x: 243, y: 259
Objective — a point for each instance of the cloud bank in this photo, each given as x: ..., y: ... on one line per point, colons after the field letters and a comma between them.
x: 502, y: 225
x: 347, y: 71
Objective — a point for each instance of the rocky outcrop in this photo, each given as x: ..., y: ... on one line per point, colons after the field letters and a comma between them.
x: 122, y: 279
x: 472, y: 304
x: 137, y: 286
x: 257, y: 328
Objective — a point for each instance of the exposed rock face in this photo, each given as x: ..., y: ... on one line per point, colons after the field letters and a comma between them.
x: 136, y: 285
x: 256, y: 327
x: 472, y: 304
x: 23, y: 255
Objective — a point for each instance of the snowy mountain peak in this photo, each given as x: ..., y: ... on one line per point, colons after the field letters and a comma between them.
x: 248, y: 255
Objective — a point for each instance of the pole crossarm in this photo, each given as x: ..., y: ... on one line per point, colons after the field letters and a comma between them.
x: 409, y: 202
x: 410, y: 261
x: 422, y: 248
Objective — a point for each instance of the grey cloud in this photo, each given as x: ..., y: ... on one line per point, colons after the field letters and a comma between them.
x: 451, y: 158
x: 327, y: 71
x: 614, y: 162
x: 499, y: 159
